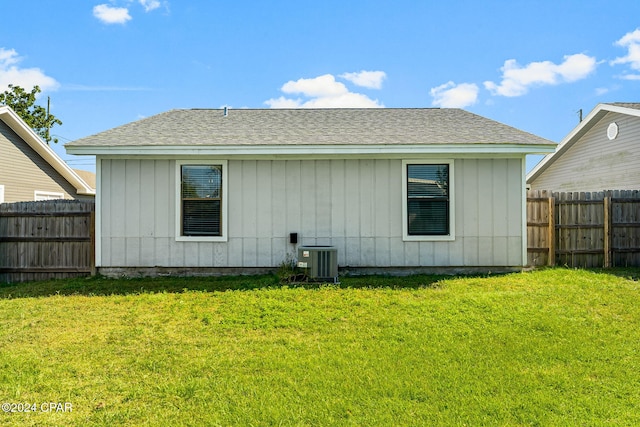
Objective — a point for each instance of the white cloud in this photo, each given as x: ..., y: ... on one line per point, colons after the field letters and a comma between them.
x: 631, y: 41
x: 322, y: 86
x: 346, y: 100
x: 27, y: 78
x: 630, y: 77
x: 8, y: 57
x: 111, y: 15
x: 321, y: 92
x: 516, y: 79
x: 576, y: 67
x: 283, y: 102
x: 450, y: 95
x: 150, y: 5
x: 120, y: 15
x: 368, y: 79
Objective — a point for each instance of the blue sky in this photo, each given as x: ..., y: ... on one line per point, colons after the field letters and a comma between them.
x: 528, y: 64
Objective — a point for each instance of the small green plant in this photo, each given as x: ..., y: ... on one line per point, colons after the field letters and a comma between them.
x: 289, y: 272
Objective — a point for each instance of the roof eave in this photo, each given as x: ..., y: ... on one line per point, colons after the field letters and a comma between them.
x: 28, y: 135
x: 311, y: 150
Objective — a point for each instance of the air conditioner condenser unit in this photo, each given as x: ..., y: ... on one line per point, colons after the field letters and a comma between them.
x: 319, y: 262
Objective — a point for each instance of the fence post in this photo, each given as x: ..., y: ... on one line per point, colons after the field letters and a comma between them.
x: 551, y: 234
x: 92, y: 233
x: 607, y: 232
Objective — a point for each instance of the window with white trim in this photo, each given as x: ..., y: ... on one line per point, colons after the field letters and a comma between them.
x: 46, y: 195
x: 1, y: 193
x: 201, y: 201
x: 428, y: 200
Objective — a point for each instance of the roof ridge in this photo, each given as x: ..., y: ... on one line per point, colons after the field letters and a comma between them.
x: 313, y: 109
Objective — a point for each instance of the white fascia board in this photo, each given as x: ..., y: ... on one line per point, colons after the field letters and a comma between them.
x: 618, y: 109
x: 313, y: 150
x: 33, y: 140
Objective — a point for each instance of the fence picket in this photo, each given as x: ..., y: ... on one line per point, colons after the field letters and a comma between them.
x: 592, y: 229
x: 45, y: 240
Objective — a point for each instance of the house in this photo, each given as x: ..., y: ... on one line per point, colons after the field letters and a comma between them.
x: 215, y: 191
x: 601, y: 153
x: 30, y: 169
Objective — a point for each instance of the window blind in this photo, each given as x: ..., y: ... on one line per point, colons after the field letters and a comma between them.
x: 428, y: 199
x: 201, y: 200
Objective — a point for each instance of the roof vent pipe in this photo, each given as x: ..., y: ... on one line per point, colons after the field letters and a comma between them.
x: 225, y: 111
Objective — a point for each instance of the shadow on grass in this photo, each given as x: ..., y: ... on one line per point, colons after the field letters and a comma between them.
x: 101, y: 286
x: 631, y: 273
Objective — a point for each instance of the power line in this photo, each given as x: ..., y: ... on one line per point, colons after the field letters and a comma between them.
x: 62, y: 137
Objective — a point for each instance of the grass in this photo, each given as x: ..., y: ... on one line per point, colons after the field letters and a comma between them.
x: 551, y: 347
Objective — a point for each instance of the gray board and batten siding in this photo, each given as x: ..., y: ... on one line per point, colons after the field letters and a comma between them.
x: 354, y: 205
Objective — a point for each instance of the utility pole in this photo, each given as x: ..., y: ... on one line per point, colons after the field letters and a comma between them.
x: 49, y: 106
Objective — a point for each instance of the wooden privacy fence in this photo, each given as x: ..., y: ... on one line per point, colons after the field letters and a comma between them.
x: 45, y: 240
x: 56, y: 239
x: 598, y: 229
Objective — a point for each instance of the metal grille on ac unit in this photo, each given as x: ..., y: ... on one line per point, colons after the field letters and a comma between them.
x: 319, y: 262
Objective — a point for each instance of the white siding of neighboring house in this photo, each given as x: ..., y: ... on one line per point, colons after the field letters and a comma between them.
x: 355, y: 205
x: 595, y: 163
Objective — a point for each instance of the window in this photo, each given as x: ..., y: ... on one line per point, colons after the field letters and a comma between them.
x: 428, y: 207
x: 46, y: 195
x: 201, y: 200
x: 1, y: 193
x: 201, y: 193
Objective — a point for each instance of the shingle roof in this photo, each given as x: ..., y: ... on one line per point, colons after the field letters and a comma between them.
x: 242, y: 127
x: 634, y: 105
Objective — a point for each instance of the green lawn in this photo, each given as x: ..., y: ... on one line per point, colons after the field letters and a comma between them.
x: 550, y: 348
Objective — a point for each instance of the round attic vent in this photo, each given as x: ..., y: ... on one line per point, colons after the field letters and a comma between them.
x: 612, y: 131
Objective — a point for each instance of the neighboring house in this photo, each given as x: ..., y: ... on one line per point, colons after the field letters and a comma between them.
x: 601, y: 153
x: 30, y: 169
x: 394, y: 189
x: 88, y: 177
